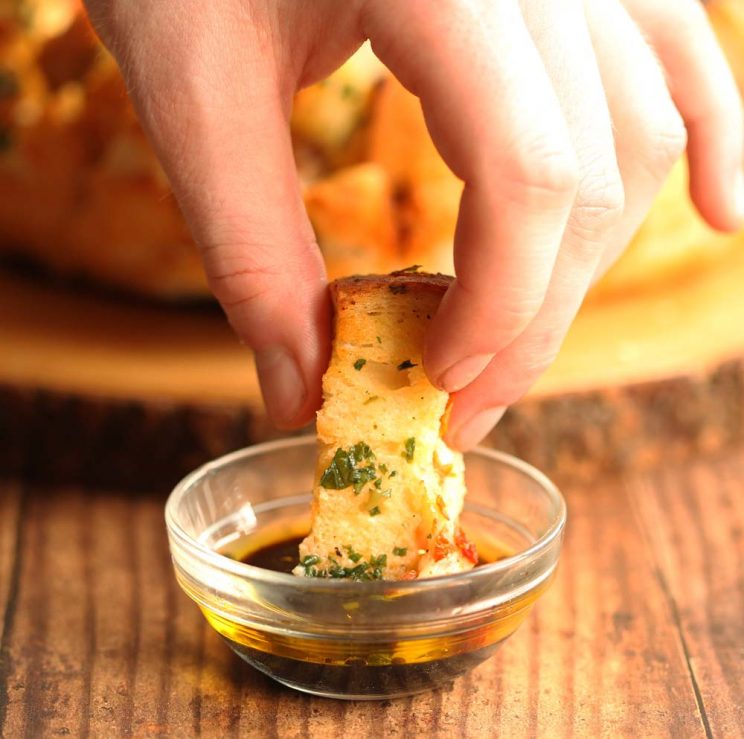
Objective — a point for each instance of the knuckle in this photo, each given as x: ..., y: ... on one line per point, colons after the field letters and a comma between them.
x: 242, y: 283
x: 599, y: 207
x: 514, y: 389
x: 543, y: 171
x: 539, y: 364
x: 526, y: 372
x: 664, y: 142
x: 245, y: 263
x: 507, y: 316
x: 514, y: 318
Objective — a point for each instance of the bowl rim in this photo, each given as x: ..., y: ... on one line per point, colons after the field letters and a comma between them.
x: 251, y: 572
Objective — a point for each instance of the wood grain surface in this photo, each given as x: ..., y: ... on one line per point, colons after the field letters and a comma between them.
x: 641, y: 635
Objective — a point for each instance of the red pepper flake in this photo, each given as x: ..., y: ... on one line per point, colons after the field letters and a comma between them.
x: 467, y: 548
x: 409, y: 575
x: 442, y: 547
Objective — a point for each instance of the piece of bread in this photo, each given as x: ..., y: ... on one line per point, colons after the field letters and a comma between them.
x: 353, y: 216
x: 388, y: 491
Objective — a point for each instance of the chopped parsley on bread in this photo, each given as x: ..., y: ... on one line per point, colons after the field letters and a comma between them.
x: 388, y: 491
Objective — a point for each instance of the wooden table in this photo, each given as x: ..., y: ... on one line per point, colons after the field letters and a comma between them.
x: 642, y: 633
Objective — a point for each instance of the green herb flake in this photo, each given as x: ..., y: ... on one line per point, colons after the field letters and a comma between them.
x: 365, y: 474
x: 410, y: 449
x: 359, y: 363
x: 308, y: 562
x: 406, y: 364
x: 393, y: 473
x: 362, y: 571
x: 346, y: 470
x: 353, y: 556
x: 379, y: 340
x: 371, y: 399
x: 400, y: 551
x: 374, y: 511
x: 383, y: 468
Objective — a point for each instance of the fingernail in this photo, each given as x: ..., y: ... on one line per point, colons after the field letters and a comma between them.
x: 739, y: 194
x: 462, y: 373
x: 473, y: 431
x: 281, y: 383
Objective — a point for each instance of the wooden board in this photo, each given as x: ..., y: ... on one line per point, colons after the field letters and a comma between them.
x: 10, y: 524
x: 640, y: 634
x: 693, y: 527
x: 85, y: 344
x: 95, y: 383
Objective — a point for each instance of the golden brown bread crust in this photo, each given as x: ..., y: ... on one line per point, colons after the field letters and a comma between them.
x: 348, y: 288
x: 353, y: 215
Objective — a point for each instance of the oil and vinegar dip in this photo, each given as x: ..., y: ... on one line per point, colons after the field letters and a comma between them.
x: 359, y: 667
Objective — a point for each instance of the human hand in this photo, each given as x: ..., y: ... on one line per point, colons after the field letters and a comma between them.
x: 560, y: 118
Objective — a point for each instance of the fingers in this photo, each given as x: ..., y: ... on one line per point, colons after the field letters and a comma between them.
x: 216, y: 110
x: 650, y: 134
x: 704, y: 90
x: 649, y: 137
x: 495, y: 118
x: 597, y: 211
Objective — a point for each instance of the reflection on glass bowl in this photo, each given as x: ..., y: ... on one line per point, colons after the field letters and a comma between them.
x: 358, y: 640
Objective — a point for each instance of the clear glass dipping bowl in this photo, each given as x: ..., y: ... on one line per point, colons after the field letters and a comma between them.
x: 359, y: 640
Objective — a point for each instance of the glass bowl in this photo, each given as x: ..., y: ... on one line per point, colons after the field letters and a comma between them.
x: 359, y: 640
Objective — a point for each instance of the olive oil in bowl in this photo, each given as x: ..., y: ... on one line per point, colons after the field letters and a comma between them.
x: 234, y: 526
x: 364, y: 668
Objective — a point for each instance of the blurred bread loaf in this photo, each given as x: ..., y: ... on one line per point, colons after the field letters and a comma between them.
x: 388, y: 491
x: 82, y: 194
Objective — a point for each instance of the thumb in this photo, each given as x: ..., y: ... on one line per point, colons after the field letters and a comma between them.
x: 213, y: 106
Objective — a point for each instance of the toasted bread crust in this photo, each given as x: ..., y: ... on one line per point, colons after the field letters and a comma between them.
x: 356, y: 286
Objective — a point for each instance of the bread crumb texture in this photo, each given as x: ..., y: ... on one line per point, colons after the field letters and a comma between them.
x: 388, y: 491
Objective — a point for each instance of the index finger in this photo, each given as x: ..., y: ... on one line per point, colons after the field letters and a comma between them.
x: 213, y: 104
x: 496, y: 120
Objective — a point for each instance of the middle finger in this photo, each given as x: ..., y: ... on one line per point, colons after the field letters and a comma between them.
x: 562, y: 36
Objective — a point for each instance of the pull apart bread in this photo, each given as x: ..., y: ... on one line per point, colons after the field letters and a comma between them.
x: 388, y: 491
